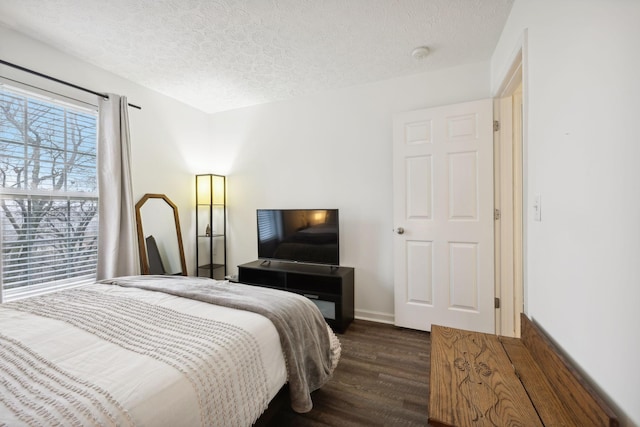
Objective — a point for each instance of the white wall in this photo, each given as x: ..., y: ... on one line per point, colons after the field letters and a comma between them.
x: 165, y: 134
x: 332, y: 150
x: 582, y: 90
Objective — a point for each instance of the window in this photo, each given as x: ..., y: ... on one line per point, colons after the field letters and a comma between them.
x: 48, y: 193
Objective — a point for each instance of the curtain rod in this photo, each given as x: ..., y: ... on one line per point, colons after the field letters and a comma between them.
x: 27, y: 70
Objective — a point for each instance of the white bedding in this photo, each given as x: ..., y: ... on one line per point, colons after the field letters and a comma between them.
x: 141, y: 389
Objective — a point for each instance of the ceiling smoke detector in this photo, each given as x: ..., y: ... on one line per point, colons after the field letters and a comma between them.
x: 420, y: 52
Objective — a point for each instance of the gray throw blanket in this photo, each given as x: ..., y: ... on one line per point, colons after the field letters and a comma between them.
x: 311, y: 350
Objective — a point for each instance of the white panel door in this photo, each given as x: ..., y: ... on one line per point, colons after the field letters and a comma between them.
x: 443, y: 213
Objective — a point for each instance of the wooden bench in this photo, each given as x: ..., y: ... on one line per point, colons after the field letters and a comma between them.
x: 486, y: 380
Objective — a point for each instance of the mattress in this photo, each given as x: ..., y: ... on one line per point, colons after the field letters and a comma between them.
x: 104, y: 355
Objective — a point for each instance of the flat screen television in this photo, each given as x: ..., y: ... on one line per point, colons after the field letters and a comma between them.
x: 299, y: 235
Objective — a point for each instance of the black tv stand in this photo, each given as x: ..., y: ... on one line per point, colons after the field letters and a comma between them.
x: 329, y: 287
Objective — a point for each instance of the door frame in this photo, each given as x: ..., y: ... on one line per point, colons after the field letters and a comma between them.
x: 510, y: 111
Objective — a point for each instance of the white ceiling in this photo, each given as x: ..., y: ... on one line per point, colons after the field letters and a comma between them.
x: 223, y: 54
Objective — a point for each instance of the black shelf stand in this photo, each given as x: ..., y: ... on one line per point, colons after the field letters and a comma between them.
x: 211, y: 226
x: 329, y: 288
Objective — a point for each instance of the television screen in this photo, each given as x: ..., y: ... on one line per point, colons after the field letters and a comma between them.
x: 300, y: 235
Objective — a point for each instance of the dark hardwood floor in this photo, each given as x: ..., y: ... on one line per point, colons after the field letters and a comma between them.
x: 382, y: 380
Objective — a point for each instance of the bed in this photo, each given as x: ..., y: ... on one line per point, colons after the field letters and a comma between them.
x: 159, y: 350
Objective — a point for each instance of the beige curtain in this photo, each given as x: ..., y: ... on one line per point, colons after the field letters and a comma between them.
x: 117, y: 239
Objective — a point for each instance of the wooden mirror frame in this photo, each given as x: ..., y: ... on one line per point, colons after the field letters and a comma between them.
x: 142, y: 247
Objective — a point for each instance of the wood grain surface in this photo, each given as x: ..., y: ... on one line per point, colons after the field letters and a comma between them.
x: 548, y: 405
x: 481, y: 379
x: 473, y: 382
x: 582, y: 403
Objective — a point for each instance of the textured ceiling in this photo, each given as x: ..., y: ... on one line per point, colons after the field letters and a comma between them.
x: 223, y: 54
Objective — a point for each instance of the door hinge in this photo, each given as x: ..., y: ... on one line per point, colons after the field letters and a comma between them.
x: 496, y: 302
x: 496, y: 214
x: 496, y: 125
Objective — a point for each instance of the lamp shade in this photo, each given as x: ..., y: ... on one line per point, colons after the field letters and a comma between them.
x: 203, y: 189
x: 210, y: 189
x: 218, y: 196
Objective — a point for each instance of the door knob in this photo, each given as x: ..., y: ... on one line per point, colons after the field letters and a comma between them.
x: 400, y: 230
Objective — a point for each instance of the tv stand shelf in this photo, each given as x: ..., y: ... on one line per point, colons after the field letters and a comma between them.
x: 329, y: 288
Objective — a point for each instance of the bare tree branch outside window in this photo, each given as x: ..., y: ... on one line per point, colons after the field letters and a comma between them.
x: 48, y: 192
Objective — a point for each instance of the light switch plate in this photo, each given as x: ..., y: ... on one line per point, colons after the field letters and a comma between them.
x: 537, y: 208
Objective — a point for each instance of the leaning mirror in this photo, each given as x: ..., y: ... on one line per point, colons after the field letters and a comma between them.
x: 159, y: 236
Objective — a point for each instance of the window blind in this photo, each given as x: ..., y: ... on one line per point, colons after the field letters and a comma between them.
x: 48, y: 192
